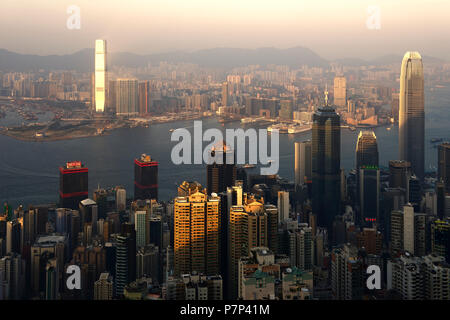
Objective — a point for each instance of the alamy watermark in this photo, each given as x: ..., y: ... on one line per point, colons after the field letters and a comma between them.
x: 373, y: 21
x: 257, y: 146
x: 374, y: 280
x: 74, y: 20
x: 74, y: 279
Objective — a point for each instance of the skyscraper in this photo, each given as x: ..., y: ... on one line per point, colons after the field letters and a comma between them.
x: 225, y: 94
x: 286, y: 109
x: 127, y: 98
x: 196, y: 234
x: 144, y: 97
x: 145, y: 178
x: 411, y: 113
x: 399, y: 174
x: 125, y: 258
x: 326, y: 163
x: 100, y: 75
x: 303, y: 165
x: 444, y: 164
x: 283, y: 205
x: 340, y: 91
x: 369, y: 193
x: 140, y: 224
x: 366, y: 149
x: 103, y: 287
x: 368, y: 176
x: 73, y: 184
x: 220, y: 174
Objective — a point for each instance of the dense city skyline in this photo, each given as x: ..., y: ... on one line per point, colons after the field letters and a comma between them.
x: 129, y: 177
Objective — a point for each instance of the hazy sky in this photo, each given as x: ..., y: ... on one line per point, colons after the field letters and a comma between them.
x: 332, y: 28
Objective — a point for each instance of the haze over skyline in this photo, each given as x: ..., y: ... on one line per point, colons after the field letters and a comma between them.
x: 333, y: 29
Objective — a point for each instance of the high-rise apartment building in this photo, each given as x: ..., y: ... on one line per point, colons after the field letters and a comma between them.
x: 347, y: 271
x: 250, y: 225
x: 412, y: 113
x: 196, y: 234
x: 144, y: 97
x: 127, y: 98
x: 419, y: 278
x: 103, y: 287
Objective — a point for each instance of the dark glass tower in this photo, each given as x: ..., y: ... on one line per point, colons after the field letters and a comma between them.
x: 326, y: 163
x: 369, y: 194
x: 220, y: 174
x: 366, y: 149
x: 145, y: 178
x: 368, y: 177
x: 399, y: 173
x: 73, y: 184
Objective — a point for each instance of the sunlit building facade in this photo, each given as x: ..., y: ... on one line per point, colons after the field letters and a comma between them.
x: 100, y: 75
x: 411, y: 113
x: 196, y: 234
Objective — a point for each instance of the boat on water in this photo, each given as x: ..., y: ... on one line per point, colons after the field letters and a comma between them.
x: 298, y: 128
x: 282, y: 128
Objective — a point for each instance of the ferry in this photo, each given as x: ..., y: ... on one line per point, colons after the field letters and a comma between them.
x: 298, y: 128
x: 282, y: 128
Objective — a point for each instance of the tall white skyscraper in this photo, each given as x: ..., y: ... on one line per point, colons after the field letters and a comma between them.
x: 100, y: 75
x: 411, y: 113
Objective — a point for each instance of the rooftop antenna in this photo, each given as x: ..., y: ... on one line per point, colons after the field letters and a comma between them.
x: 326, y: 95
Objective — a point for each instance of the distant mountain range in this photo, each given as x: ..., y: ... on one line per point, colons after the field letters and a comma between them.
x: 383, y: 61
x: 83, y: 60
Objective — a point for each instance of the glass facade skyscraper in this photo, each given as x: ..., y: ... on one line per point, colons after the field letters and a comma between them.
x: 326, y: 165
x: 411, y: 113
x: 366, y: 149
